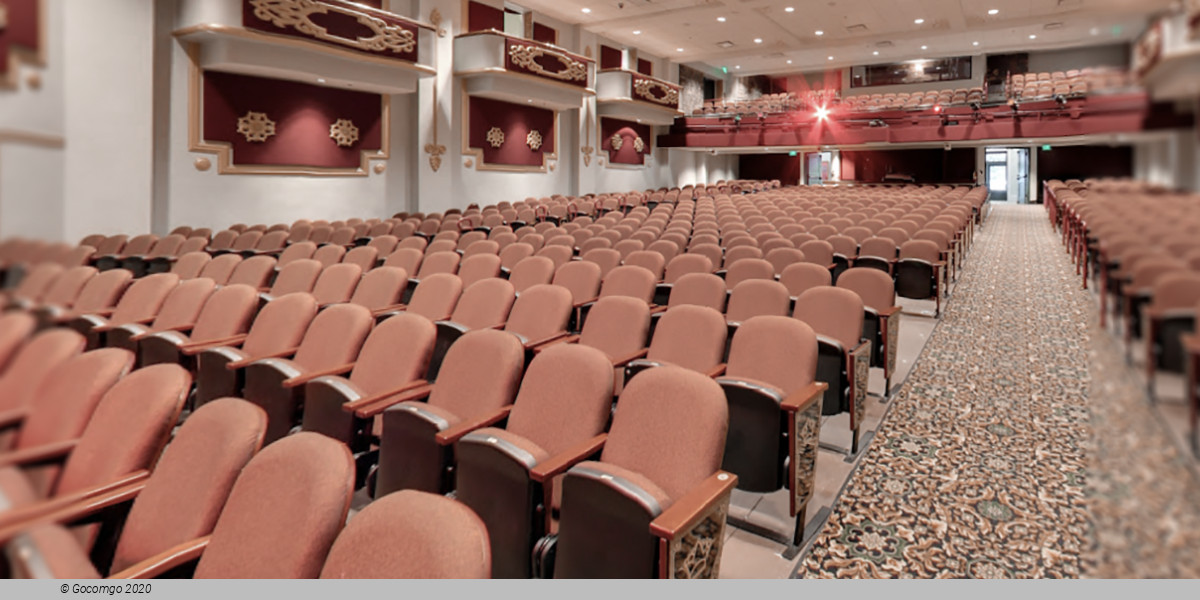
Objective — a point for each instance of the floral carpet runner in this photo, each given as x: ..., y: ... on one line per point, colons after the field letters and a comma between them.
x: 982, y: 466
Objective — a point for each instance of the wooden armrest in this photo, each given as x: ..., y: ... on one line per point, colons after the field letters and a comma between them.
x: 939, y: 263
x: 166, y: 560
x: 451, y: 435
x: 77, y: 511
x: 530, y: 345
x: 557, y: 465
x: 37, y: 455
x: 659, y: 309
x: 238, y: 364
x: 716, y: 371
x: 21, y: 516
x: 688, y: 510
x: 307, y: 377
x: 570, y: 339
x: 388, y: 309
x: 12, y: 418
x: 632, y: 357
x: 179, y: 328
x: 586, y: 302
x: 198, y: 347
x: 887, y: 312
x: 800, y: 399
x: 373, y: 405
x: 112, y: 326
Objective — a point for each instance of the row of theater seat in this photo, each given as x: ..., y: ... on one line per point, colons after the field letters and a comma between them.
x: 922, y: 100
x: 306, y: 390
x: 1138, y: 243
x: 1040, y: 86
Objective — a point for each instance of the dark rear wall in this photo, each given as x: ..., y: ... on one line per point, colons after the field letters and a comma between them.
x: 770, y: 166
x: 925, y: 165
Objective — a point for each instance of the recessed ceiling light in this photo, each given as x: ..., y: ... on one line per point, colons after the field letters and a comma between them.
x: 737, y: 66
x: 1095, y: 31
x: 679, y: 49
x: 919, y: 21
x: 637, y: 32
x: 1033, y: 36
x: 876, y: 53
x: 789, y: 9
x: 529, y: 101
x: 974, y: 43
x: 994, y: 12
x: 320, y: 80
x: 819, y: 32
x: 830, y: 58
x: 586, y: 10
x: 757, y: 40
x: 720, y: 19
x: 924, y: 47
x: 789, y: 61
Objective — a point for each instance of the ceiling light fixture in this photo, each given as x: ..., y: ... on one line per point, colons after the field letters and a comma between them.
x: 819, y: 32
x: 876, y: 53
x: 737, y: 66
x: 974, y: 43
x: 637, y: 32
x: 830, y: 58
x: 822, y: 113
x: 789, y: 61
x: 720, y: 19
x: 586, y: 10
x: 789, y: 9
x: 679, y: 49
x: 919, y: 21
x: 924, y: 47
x: 1032, y: 36
x: 994, y: 12
x: 757, y: 40
x: 320, y: 80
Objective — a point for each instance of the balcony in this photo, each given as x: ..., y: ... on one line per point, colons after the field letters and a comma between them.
x: 495, y: 65
x: 632, y: 96
x: 332, y: 42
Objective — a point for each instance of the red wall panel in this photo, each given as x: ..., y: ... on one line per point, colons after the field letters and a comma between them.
x: 516, y: 121
x: 481, y: 17
x: 23, y: 29
x: 629, y: 131
x: 302, y: 114
x: 645, y: 67
x: 610, y: 58
x: 545, y: 33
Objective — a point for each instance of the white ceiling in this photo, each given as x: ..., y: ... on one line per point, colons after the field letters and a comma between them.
x: 853, y: 29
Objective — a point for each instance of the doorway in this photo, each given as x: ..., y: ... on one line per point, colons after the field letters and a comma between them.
x: 1007, y: 174
x: 819, y: 168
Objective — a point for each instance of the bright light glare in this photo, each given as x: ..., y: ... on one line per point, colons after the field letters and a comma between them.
x: 822, y: 113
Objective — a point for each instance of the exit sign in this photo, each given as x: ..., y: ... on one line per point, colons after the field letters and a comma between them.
x: 1046, y: 148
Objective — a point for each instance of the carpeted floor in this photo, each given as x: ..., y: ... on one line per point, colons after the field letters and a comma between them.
x: 980, y: 467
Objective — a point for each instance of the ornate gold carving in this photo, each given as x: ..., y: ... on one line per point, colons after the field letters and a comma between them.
x: 344, y: 132
x: 639, y: 144
x: 435, y: 18
x: 806, y: 442
x: 697, y: 554
x: 533, y: 139
x: 435, y: 152
x: 617, y: 141
x: 495, y: 137
x: 297, y: 14
x: 202, y: 164
x: 587, y: 155
x: 645, y: 88
x: 525, y: 56
x: 256, y: 126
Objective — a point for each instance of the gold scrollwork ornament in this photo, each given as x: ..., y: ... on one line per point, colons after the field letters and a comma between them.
x: 639, y: 144
x: 617, y: 142
x: 297, y: 14
x: 525, y: 56
x: 256, y: 126
x: 344, y: 132
x: 435, y: 152
x: 495, y: 137
x: 587, y: 155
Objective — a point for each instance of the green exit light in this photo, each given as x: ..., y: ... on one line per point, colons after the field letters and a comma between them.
x: 1116, y: 30
x: 1046, y: 148
x: 792, y: 153
x: 724, y: 69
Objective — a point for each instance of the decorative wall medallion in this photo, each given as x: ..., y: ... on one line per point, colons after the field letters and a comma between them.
x: 202, y: 164
x: 435, y: 18
x: 468, y: 163
x: 34, y: 81
x: 638, y: 144
x: 525, y: 56
x: 534, y: 139
x: 256, y: 126
x: 587, y: 155
x: 297, y: 14
x: 344, y: 132
x: 435, y: 152
x: 617, y: 141
x: 495, y: 137
x: 380, y: 168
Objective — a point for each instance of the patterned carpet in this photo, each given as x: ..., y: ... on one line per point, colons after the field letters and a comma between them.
x: 979, y: 470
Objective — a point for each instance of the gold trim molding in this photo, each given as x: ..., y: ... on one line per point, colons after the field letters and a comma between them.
x: 29, y: 138
x: 644, y: 88
x: 297, y: 14
x: 525, y: 56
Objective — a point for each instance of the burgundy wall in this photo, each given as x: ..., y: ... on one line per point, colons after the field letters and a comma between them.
x: 770, y: 166
x: 302, y: 114
x: 24, y: 29
x: 545, y: 33
x: 481, y: 17
x: 1082, y: 162
x: 645, y: 67
x: 610, y: 58
x: 515, y: 120
x: 926, y: 165
x: 341, y: 25
x: 628, y: 130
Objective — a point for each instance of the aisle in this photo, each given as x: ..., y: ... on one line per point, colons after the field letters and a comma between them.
x: 980, y: 468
